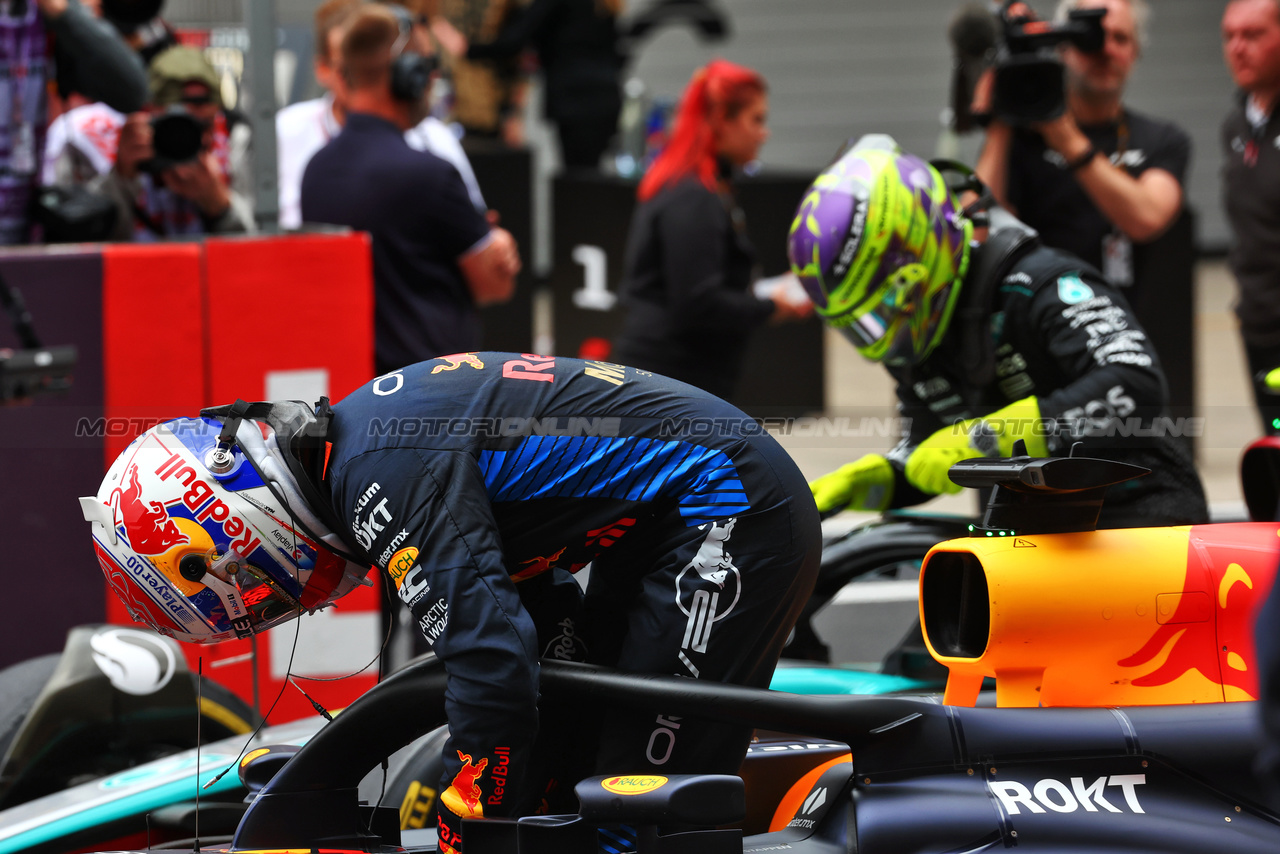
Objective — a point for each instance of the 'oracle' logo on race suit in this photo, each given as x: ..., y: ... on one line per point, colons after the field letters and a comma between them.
x: 1056, y: 796
x: 148, y: 527
x: 204, y: 507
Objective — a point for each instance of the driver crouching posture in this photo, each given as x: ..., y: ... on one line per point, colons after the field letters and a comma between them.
x: 480, y: 483
x: 991, y: 337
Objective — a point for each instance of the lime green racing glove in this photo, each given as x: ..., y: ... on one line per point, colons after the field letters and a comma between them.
x: 992, y: 435
x: 864, y: 484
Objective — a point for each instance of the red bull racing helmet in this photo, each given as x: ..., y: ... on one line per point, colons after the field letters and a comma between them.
x: 881, y: 245
x: 207, y: 528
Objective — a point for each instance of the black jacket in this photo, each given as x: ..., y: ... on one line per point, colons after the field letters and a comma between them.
x: 1251, y: 195
x: 687, y: 288
x: 577, y: 45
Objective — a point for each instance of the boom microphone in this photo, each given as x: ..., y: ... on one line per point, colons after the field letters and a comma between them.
x: 972, y: 32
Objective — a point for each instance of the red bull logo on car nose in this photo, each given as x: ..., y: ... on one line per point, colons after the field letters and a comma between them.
x: 1206, y: 629
x: 147, y: 525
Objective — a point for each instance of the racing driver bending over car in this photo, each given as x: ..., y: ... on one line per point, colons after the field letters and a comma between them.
x: 479, y: 482
x: 991, y: 336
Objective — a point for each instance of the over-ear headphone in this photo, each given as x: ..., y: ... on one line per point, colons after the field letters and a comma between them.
x: 410, y: 70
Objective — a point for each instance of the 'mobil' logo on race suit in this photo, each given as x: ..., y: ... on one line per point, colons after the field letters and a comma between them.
x: 633, y: 785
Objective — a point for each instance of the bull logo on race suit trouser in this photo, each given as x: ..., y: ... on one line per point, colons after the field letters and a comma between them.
x: 707, y: 590
x: 149, y: 529
x: 464, y: 794
x: 708, y: 593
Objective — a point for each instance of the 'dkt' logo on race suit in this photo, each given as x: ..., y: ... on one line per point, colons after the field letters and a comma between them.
x: 633, y: 785
x: 148, y: 527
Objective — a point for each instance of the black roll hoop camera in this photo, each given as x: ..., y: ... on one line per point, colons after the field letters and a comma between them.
x: 1030, y: 80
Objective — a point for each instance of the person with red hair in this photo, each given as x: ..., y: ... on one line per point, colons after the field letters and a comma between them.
x: 689, y: 268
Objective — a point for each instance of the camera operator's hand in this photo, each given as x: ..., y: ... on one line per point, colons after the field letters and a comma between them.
x: 133, y: 146
x: 1064, y: 136
x: 200, y: 181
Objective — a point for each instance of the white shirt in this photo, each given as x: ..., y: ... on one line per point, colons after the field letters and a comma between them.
x: 304, y: 128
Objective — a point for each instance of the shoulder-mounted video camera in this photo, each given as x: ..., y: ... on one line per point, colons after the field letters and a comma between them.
x: 1029, y: 79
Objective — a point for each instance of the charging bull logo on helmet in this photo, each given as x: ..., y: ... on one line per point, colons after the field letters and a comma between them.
x: 464, y: 794
x: 147, y: 525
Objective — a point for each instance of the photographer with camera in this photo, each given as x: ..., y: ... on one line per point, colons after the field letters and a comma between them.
x: 177, y: 163
x: 41, y: 40
x: 1097, y: 177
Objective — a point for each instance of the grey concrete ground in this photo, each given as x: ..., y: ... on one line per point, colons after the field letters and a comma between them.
x: 868, y: 618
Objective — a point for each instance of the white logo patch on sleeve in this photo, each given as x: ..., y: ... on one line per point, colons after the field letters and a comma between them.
x: 1071, y: 290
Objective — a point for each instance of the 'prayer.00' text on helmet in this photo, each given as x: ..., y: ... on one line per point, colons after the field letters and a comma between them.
x: 207, y: 540
x: 881, y: 245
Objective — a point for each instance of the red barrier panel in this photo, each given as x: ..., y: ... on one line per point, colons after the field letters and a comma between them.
x: 286, y: 310
x: 152, y: 338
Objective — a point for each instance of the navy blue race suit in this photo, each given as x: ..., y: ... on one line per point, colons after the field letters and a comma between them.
x: 481, y: 481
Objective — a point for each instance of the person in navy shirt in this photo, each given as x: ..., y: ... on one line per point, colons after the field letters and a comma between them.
x: 435, y: 257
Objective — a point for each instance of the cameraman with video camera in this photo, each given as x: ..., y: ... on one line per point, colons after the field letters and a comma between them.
x: 177, y: 162
x: 1098, y: 177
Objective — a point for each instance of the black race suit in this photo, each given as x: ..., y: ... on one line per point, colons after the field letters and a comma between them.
x: 1059, y: 332
x: 481, y: 481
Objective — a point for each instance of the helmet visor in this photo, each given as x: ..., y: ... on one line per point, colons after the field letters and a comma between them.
x: 901, y: 323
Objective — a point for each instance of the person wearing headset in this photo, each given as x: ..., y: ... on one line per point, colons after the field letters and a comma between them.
x: 435, y: 257
x: 991, y: 335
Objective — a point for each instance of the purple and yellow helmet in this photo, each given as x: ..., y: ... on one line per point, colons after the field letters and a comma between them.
x: 881, y: 245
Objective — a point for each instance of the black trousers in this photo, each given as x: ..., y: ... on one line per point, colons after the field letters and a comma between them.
x: 712, y: 602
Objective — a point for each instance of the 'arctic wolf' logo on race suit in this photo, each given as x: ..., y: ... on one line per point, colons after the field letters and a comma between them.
x: 148, y: 526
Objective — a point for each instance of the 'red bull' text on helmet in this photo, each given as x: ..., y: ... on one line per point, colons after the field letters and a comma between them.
x: 881, y: 245
x: 202, y: 529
